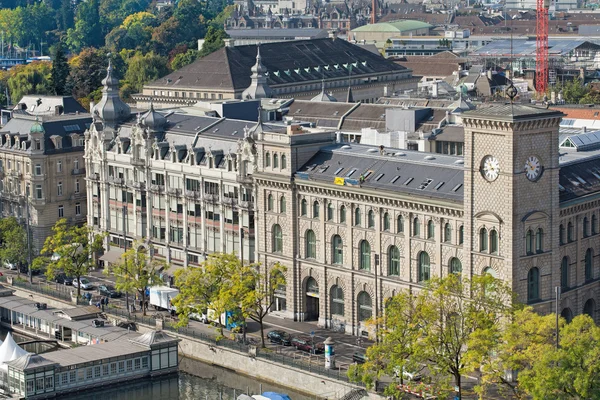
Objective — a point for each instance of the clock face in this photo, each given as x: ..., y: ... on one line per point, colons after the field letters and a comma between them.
x: 490, y: 168
x: 533, y: 168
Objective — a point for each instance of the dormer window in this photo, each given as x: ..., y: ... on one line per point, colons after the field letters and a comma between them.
x: 57, y: 140
x: 37, y: 144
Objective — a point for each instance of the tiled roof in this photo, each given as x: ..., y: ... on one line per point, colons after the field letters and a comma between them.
x: 511, y: 112
x: 430, y: 68
x: 579, y: 113
x: 286, y: 62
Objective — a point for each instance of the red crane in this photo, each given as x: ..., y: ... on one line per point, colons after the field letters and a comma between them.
x: 541, y: 59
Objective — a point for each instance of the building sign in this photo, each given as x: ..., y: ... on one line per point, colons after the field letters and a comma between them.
x: 339, y: 181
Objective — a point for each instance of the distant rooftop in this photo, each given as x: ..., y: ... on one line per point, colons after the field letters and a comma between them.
x: 512, y: 112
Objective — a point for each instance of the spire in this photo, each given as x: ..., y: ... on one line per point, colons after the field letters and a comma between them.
x: 259, y: 88
x: 349, y: 97
x: 323, y: 96
x: 111, y: 109
x: 258, y: 128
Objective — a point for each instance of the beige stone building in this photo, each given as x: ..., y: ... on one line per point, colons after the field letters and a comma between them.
x: 41, y: 164
x: 356, y: 223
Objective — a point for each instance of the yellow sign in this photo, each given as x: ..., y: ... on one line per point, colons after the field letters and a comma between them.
x: 339, y: 181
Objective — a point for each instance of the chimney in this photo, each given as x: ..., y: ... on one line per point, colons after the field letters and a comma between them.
x: 332, y: 34
x: 489, y: 74
x: 434, y: 89
x: 92, y: 105
x: 553, y: 97
x: 294, y: 129
x: 229, y: 42
x: 58, y: 110
x: 386, y: 91
x: 584, y: 129
x: 382, y: 150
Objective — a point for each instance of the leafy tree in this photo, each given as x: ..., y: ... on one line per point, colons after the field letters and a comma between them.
x: 71, y: 250
x: 255, y: 292
x: 213, y: 40
x: 60, y: 70
x: 87, y: 30
x: 13, y: 242
x: 134, y: 33
x: 65, y: 18
x: 142, y: 69
x: 183, y: 59
x: 208, y: 286
x: 136, y: 271
x: 396, y: 337
x: 30, y: 78
x: 87, y: 70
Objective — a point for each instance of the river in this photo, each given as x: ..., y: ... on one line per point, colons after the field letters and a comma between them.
x: 195, y: 381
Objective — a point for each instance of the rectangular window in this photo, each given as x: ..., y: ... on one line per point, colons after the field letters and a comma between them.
x: 65, y: 378
x: 38, y: 169
x: 76, y: 163
x: 76, y: 185
x: 59, y: 166
x: 97, y: 371
x: 121, y: 366
x: 38, y: 192
x: 59, y: 189
x: 129, y: 365
x: 89, y: 373
x: 105, y: 370
x: 113, y: 368
x: 144, y: 362
x: 78, y: 209
x: 61, y: 212
x: 138, y: 363
x: 72, y: 376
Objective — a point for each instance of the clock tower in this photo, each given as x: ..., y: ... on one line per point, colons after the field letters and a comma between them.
x: 511, y: 196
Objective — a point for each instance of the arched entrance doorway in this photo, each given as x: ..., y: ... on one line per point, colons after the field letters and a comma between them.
x: 589, y: 308
x: 312, y: 300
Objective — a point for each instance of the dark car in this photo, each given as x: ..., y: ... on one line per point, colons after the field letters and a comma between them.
x: 24, y: 269
x: 359, y: 357
x: 63, y: 279
x: 109, y: 291
x: 305, y: 344
x: 280, y: 337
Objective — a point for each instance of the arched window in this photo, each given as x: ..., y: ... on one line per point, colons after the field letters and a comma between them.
x: 533, y: 284
x: 283, y: 162
x: 312, y: 286
x: 423, y: 267
x: 539, y: 240
x: 277, y: 239
x: 564, y: 273
x: 483, y: 240
x: 342, y: 214
x: 282, y: 207
x: 311, y: 244
x: 357, y: 216
x: 494, y: 241
x: 365, y: 306
x: 371, y: 219
x: 589, y: 308
x: 589, y: 265
x: 394, y: 261
x: 455, y: 266
x: 586, y: 227
x: 330, y: 211
x: 529, y: 242
x: 594, y: 224
x: 416, y: 227
x: 561, y: 234
x: 461, y: 235
x: 337, y: 250
x: 303, y: 207
x: 337, y: 300
x: 567, y: 314
x: 400, y: 224
x: 267, y: 159
x: 365, y: 255
x: 275, y: 161
x: 270, y: 203
x: 386, y: 222
x: 490, y: 271
x: 447, y: 233
x: 316, y: 209
x: 430, y: 229
x: 570, y: 236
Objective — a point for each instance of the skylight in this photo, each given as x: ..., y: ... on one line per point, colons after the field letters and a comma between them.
x: 580, y: 179
x: 353, y: 170
x: 395, y: 179
x: 439, y: 185
x: 409, y: 180
x: 378, y: 177
x: 337, y: 171
x: 455, y: 188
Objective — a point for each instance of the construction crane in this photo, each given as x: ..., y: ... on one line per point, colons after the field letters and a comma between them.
x: 541, y: 58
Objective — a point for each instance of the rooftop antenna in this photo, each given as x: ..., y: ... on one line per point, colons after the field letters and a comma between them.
x: 511, y: 90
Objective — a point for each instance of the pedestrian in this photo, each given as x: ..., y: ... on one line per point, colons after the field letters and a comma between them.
x: 102, y: 302
x: 91, y: 303
x: 106, y: 302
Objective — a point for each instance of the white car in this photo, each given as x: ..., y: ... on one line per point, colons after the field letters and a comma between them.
x: 10, y: 266
x: 84, y: 283
x: 409, y: 375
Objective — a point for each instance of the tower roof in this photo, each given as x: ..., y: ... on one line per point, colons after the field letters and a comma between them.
x: 153, y: 120
x: 37, y: 127
x: 323, y: 96
x: 512, y: 112
x: 111, y: 109
x: 258, y: 88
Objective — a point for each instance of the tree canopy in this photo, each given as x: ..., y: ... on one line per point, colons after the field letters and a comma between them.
x: 13, y: 242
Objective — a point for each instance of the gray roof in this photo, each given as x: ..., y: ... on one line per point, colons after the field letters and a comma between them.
x: 512, y: 112
x: 83, y: 312
x: 46, y: 105
x: 30, y: 361
x: 295, y: 33
x: 96, y: 352
x: 400, y: 171
x: 152, y: 338
x: 580, y: 178
x: 527, y: 48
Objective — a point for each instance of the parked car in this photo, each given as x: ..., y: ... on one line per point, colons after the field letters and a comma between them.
x: 199, y: 316
x: 10, y: 266
x: 359, y: 357
x: 305, y: 344
x: 63, y: 279
x: 24, y: 269
x: 109, y: 291
x: 407, y: 374
x: 280, y: 337
x: 84, y: 283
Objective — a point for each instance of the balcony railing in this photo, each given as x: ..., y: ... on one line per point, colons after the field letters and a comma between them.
x: 78, y: 171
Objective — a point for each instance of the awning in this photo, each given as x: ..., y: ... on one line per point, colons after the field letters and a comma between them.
x: 112, y: 256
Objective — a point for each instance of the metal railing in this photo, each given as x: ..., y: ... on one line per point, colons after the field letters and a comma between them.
x: 48, y: 291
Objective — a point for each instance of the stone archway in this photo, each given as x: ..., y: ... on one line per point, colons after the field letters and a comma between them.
x: 311, y: 290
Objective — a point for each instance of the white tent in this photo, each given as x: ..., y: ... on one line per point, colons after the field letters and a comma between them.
x: 10, y: 350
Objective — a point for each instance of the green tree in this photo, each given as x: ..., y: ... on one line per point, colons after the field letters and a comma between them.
x: 60, y: 70
x: 206, y: 287
x: 213, y: 40
x: 13, y: 242
x: 87, y: 69
x: 142, y: 69
x: 87, y: 30
x: 136, y: 271
x: 134, y: 33
x: 30, y: 78
x: 183, y: 59
x: 397, y: 335
x: 255, y: 291
x: 71, y: 249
